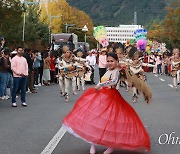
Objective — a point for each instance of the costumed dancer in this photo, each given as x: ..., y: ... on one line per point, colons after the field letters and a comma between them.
x: 70, y: 66
x: 101, y: 116
x: 61, y: 76
x: 136, y: 75
x: 122, y: 67
x: 175, y: 63
x: 81, y: 71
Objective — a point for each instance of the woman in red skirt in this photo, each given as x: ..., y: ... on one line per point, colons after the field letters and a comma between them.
x: 101, y: 116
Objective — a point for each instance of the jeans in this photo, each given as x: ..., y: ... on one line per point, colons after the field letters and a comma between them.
x: 9, y: 82
x: 19, y: 82
x: 159, y: 68
x: 3, y: 83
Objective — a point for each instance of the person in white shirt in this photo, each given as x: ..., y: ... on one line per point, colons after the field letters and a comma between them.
x: 91, y: 61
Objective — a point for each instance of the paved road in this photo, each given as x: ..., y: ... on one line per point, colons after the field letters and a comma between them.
x: 29, y: 130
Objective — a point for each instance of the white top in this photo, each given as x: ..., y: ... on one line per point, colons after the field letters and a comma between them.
x: 91, y: 60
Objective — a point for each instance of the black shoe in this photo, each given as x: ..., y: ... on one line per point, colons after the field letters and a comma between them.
x: 178, y: 83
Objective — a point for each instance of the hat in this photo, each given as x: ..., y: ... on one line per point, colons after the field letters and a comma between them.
x: 104, y: 50
x: 14, y: 52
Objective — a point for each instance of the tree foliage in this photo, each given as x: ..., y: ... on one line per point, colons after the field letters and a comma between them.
x: 116, y: 12
x: 168, y: 30
x: 58, y: 13
x: 11, y: 21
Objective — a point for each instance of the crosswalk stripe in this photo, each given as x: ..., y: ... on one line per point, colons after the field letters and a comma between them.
x: 171, y: 85
x: 54, y: 141
x: 161, y: 79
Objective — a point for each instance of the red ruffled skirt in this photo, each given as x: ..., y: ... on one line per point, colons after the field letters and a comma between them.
x: 103, y: 117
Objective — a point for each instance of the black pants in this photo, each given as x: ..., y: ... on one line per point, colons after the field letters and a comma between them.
x: 52, y: 73
x: 92, y: 75
x: 102, y: 71
x: 40, y: 74
x: 151, y: 68
x: 36, y: 75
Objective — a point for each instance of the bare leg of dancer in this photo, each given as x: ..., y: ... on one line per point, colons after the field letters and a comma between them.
x: 92, y: 149
x: 108, y: 151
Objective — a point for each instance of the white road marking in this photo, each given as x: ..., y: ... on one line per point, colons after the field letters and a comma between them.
x: 161, y: 79
x: 155, y: 75
x: 54, y: 141
x: 171, y: 85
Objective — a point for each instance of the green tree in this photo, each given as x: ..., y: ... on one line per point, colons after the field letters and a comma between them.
x: 36, y: 32
x: 11, y: 21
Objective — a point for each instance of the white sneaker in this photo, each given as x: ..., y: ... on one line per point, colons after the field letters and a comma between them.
x: 7, y: 97
x: 3, y: 97
x: 24, y: 104
x: 14, y: 105
x: 74, y: 93
x: 39, y: 84
x: 66, y: 98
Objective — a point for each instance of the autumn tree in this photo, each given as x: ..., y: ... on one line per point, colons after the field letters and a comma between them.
x: 67, y: 15
x: 168, y: 30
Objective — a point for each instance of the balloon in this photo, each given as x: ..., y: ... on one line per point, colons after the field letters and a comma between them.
x: 104, y: 42
x: 141, y: 44
x: 100, y: 34
x: 132, y: 41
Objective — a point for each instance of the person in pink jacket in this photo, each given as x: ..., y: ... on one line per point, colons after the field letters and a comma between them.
x: 19, y: 68
x: 102, y: 62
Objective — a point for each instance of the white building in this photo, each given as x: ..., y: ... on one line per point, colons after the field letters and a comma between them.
x: 121, y: 33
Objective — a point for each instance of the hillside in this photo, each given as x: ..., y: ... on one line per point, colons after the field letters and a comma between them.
x: 116, y: 12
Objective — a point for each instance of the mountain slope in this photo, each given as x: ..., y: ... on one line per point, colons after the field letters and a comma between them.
x: 116, y: 12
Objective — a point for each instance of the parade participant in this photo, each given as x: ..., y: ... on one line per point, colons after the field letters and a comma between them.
x: 101, y: 116
x: 60, y: 76
x: 175, y: 62
x: 136, y: 75
x: 122, y: 67
x: 81, y: 71
x: 69, y: 65
x: 102, y: 62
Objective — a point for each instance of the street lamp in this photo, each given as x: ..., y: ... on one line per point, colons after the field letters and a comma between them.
x: 51, y: 17
x: 24, y: 22
x: 85, y: 30
x: 67, y: 26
